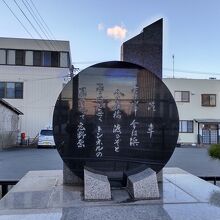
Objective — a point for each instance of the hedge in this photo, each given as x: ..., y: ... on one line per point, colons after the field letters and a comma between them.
x: 214, y: 151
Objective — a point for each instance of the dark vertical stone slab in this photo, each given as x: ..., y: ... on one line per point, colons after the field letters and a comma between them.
x: 146, y: 48
x: 115, y: 117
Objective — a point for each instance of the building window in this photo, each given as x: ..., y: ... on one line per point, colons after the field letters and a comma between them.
x: 20, y: 57
x: 2, y: 56
x: 2, y: 89
x: 54, y: 59
x: 46, y: 58
x: 11, y: 90
x: 11, y: 57
x: 64, y: 59
x: 29, y: 58
x: 185, y: 126
x: 209, y: 100
x: 34, y: 58
x: 37, y: 57
x: 19, y: 90
x: 181, y: 96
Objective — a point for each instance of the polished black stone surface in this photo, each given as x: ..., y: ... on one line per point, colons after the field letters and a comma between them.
x: 115, y: 117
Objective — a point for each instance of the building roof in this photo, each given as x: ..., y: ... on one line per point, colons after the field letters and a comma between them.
x: 207, y: 120
x: 34, y: 44
x: 9, y: 106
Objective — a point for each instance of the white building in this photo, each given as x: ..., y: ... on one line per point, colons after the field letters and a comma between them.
x: 198, y: 103
x: 32, y: 73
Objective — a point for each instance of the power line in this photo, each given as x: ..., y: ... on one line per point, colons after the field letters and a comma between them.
x: 21, y: 23
x: 40, y: 79
x: 29, y: 21
x: 17, y: 18
x: 39, y: 23
x: 33, y: 16
x: 192, y: 71
x: 49, y: 46
x: 43, y: 23
x: 36, y: 41
x: 165, y: 68
x: 42, y: 19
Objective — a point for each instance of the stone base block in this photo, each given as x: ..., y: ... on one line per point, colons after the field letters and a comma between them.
x: 143, y: 185
x: 96, y: 186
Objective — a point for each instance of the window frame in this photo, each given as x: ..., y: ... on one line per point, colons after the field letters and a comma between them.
x: 23, y: 54
x: 67, y: 59
x: 5, y: 62
x: 26, y: 52
x: 46, y: 58
x: 180, y: 126
x: 53, y: 55
x: 176, y: 91
x: 40, y: 58
x: 7, y: 57
x: 209, y: 105
x: 52, y: 65
x: 15, y: 96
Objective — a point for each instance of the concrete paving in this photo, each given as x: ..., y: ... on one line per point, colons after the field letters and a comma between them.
x: 195, y: 161
x: 15, y: 163
x: 41, y: 195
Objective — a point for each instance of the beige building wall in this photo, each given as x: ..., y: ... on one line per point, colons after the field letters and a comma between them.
x: 41, y: 85
x: 193, y: 109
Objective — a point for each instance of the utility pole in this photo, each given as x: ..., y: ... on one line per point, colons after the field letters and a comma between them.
x: 173, y: 65
x: 72, y: 71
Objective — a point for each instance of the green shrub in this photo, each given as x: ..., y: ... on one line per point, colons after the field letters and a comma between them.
x: 214, y: 151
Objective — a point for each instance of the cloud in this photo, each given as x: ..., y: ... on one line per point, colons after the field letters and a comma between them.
x: 101, y: 26
x: 117, y: 32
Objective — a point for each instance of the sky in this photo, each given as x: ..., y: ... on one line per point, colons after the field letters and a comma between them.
x: 97, y: 28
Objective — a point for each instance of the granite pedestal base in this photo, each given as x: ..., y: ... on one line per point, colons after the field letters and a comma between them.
x: 143, y: 185
x: 96, y: 186
x: 41, y: 195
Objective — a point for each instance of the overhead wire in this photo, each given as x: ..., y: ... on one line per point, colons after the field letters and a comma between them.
x: 40, y: 79
x: 54, y: 43
x: 42, y: 19
x: 44, y: 24
x: 32, y: 25
x: 165, y: 68
x: 193, y: 71
x: 48, y: 32
x: 32, y: 15
x: 36, y: 21
x: 21, y: 23
x: 39, y: 20
x: 17, y: 18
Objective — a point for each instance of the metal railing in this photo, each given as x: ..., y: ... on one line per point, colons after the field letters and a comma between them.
x: 211, y: 178
x: 5, y: 183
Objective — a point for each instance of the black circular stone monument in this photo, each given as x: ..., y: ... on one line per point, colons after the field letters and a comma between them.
x: 115, y: 117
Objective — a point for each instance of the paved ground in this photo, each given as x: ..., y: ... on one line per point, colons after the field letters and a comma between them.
x: 40, y: 196
x: 195, y: 161
x: 15, y: 163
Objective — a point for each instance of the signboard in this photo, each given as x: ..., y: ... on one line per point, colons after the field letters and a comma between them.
x: 115, y: 117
